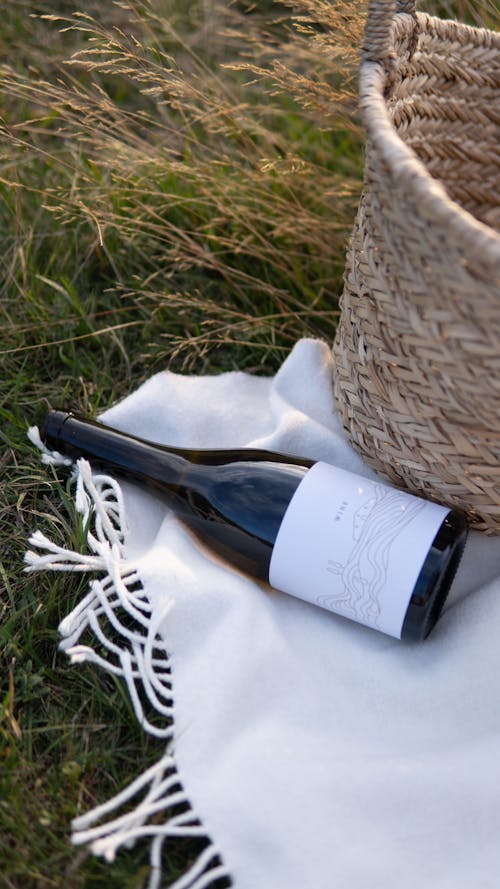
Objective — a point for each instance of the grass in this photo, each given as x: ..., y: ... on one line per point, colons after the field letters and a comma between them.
x: 177, y: 183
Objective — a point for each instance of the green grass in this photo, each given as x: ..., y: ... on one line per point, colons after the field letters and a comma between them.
x: 178, y: 196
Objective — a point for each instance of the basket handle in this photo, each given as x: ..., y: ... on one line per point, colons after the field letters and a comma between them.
x: 377, y: 40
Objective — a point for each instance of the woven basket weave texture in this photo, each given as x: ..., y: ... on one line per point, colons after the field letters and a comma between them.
x: 417, y: 351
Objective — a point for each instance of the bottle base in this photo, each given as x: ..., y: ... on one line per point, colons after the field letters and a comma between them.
x: 435, y: 579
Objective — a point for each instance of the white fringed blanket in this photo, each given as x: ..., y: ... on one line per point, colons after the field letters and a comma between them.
x: 313, y: 753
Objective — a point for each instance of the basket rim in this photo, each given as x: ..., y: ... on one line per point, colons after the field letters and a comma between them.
x: 405, y: 167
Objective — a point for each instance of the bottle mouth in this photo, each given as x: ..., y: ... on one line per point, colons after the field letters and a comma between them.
x: 51, y: 428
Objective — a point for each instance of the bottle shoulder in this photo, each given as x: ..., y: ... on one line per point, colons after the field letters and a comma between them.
x: 252, y: 495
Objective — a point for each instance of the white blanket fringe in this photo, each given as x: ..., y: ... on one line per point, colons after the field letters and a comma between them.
x: 137, y: 654
x: 52, y: 458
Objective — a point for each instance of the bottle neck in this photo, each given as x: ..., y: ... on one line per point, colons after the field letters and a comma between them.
x: 112, y: 450
x: 70, y: 434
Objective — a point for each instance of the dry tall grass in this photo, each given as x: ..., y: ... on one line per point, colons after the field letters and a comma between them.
x: 213, y: 161
x: 208, y: 156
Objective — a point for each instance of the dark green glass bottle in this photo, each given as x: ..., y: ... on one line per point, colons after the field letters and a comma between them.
x: 359, y: 548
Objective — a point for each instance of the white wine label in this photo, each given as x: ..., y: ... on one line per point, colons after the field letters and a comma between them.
x: 354, y: 546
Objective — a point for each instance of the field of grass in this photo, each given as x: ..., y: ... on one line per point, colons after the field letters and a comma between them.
x: 177, y: 184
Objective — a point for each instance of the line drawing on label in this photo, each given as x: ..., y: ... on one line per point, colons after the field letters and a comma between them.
x: 363, y: 576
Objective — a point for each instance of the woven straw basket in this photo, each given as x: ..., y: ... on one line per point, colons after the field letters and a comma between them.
x: 417, y: 352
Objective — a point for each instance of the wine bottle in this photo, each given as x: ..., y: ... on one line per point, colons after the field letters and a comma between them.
x: 357, y: 547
